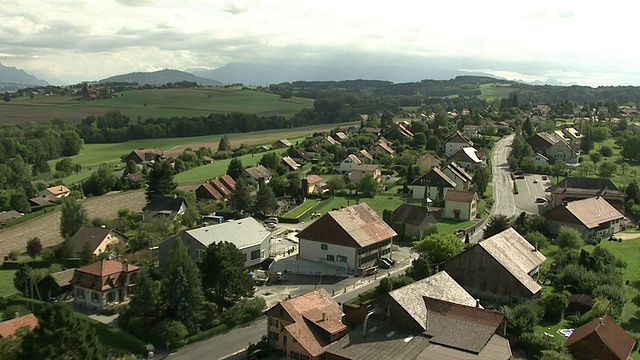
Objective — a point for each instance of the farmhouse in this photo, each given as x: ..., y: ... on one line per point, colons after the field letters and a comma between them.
x: 601, y: 338
x: 305, y: 325
x: 247, y: 234
x: 354, y: 237
x: 500, y: 268
x: 97, y: 239
x: 144, y: 156
x: 102, y: 283
x: 592, y: 217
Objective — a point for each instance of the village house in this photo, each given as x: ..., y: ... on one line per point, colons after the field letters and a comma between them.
x: 354, y: 237
x: 364, y: 156
x: 96, y: 239
x: 433, y: 185
x: 328, y: 140
x: 281, y: 144
x: 473, y: 131
x: 360, y: 171
x: 102, y: 283
x: 501, y: 268
x: 291, y: 164
x: 315, y: 184
x: 427, y: 162
x: 9, y: 327
x: 248, y: 235
x: 455, y: 142
x: 463, y: 180
x: 257, y: 174
x: 592, y: 217
x: 9, y: 215
x: 302, y: 327
x: 415, y: 218
x: 144, y: 156
x: 59, y: 191
x: 381, y: 147
x: 601, y: 338
x: 540, y: 159
x: 348, y: 162
x: 300, y: 156
x: 554, y: 146
x: 469, y: 158
x: 341, y: 136
x: 164, y: 206
x: 460, y: 205
x: 574, y: 188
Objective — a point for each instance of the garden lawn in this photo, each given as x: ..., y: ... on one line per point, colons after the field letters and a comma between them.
x: 6, y: 283
x: 449, y: 226
x: 300, y: 209
x: 379, y: 203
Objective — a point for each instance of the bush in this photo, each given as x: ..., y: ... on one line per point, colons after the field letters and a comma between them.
x: 534, y: 344
x: 48, y: 255
x: 14, y: 254
x: 555, y: 305
x: 171, y: 332
x: 524, y: 317
x: 244, y: 310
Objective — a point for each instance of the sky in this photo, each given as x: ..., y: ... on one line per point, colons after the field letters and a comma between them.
x: 66, y: 42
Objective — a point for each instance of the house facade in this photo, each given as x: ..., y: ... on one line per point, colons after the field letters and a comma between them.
x: 97, y: 239
x: 501, y: 268
x: 257, y: 174
x: 354, y: 237
x: 574, y: 188
x: 144, y: 156
x: 348, y: 162
x: 459, y: 175
x: 460, y: 205
x: 592, y: 217
x: 455, y: 142
x: 360, y: 171
x: 248, y: 235
x: 102, y: 283
x: 415, y: 218
x: 427, y: 162
x: 432, y: 185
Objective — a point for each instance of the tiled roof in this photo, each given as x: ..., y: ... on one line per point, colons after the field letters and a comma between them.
x: 58, y: 190
x: 435, y: 177
x: 103, y: 275
x: 222, y: 188
x: 586, y: 186
x: 589, y: 212
x: 516, y: 255
x: 466, y: 154
x: 440, y: 286
x: 354, y: 159
x: 427, y: 156
x: 228, y: 180
x: 89, y: 234
x: 291, y: 163
x: 354, y: 226
x: 209, y: 189
x: 460, y: 196
x: 608, y: 332
x: 458, y: 137
x: 8, y: 215
x: 460, y: 326
x: 367, y: 168
x: 366, y: 154
x: 457, y: 171
x: 63, y: 278
x: 258, y: 172
x: 9, y: 327
x: 313, y: 179
x: 497, y: 348
x: 307, y: 313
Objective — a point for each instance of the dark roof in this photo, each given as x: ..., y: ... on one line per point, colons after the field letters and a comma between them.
x: 92, y: 235
x: 413, y: 214
x: 159, y: 203
x: 459, y: 171
x: 63, y: 278
x: 542, y: 141
x: 608, y: 332
x: 258, y: 172
x: 583, y: 299
x: 41, y: 201
x: 207, y: 191
x: 586, y: 186
x: 228, y: 180
x: 435, y: 177
x: 355, y: 226
x: 458, y: 137
x: 429, y: 156
x: 9, y: 215
x: 135, y: 177
x: 365, y: 167
x: 220, y: 187
x: 301, y: 154
x: 459, y: 326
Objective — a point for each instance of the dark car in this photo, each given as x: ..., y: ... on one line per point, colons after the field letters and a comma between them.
x: 541, y: 200
x: 258, y: 354
x: 544, y: 177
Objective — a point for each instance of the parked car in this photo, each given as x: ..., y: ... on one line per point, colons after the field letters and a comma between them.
x: 258, y: 354
x: 541, y: 200
x: 544, y: 177
x: 535, y: 181
x: 271, y: 220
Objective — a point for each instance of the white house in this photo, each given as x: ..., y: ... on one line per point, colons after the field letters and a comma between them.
x: 454, y: 142
x: 247, y: 234
x: 460, y: 205
x: 354, y: 237
x: 348, y: 162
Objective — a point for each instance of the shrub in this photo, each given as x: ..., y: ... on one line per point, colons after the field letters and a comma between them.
x: 170, y: 332
x: 48, y: 255
x: 524, y: 317
x: 245, y: 310
x: 555, y: 305
x: 14, y: 254
x: 534, y: 344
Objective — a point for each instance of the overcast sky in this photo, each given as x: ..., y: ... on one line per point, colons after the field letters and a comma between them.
x: 570, y: 41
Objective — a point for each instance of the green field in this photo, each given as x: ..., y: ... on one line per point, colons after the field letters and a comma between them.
x: 492, y: 91
x: 152, y: 103
x: 6, y: 283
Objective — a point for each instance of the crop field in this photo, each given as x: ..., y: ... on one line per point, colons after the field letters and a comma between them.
x: 493, y: 91
x: 152, y: 103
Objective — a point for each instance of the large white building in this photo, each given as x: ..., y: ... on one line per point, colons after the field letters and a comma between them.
x: 354, y: 237
x: 247, y: 234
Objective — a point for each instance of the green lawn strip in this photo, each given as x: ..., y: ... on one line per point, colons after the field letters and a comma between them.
x: 300, y: 209
x: 449, y: 226
x: 6, y: 283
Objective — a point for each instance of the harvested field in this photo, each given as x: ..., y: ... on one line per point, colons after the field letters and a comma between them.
x: 47, y: 227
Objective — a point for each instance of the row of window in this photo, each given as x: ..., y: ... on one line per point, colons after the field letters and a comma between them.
x: 95, y: 297
x: 338, y: 258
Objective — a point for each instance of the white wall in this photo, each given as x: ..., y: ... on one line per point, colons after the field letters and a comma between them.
x: 312, y: 250
x: 265, y: 251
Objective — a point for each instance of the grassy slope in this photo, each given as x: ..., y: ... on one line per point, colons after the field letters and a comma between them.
x: 6, y: 283
x: 492, y: 92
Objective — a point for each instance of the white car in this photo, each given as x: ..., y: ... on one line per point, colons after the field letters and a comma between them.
x: 535, y: 181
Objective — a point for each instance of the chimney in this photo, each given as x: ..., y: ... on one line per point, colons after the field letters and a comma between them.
x: 125, y: 266
x: 437, y: 269
x: 478, y: 303
x: 324, y: 316
x: 535, y: 246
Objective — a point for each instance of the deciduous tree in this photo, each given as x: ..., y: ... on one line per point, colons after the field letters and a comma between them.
x: 439, y: 247
x: 72, y: 216
x: 569, y: 238
x: 34, y: 247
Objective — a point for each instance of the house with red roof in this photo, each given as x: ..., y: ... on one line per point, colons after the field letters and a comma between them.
x: 304, y: 326
x: 59, y: 191
x: 102, y: 283
x: 460, y: 205
x: 601, y: 339
x: 10, y: 327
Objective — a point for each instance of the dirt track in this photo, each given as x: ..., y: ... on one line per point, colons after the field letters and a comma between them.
x: 47, y: 226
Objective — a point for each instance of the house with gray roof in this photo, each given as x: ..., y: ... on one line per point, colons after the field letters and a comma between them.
x: 415, y: 218
x: 257, y: 174
x: 591, y: 217
x: 247, y: 234
x: 502, y: 268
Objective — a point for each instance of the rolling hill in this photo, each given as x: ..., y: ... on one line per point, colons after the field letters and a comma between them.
x: 160, y: 77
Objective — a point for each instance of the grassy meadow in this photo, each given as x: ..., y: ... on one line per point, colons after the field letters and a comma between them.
x: 152, y: 103
x: 493, y: 91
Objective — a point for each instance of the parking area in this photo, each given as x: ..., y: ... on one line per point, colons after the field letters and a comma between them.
x: 531, y: 191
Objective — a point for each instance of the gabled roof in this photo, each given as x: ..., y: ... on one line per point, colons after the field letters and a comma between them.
x: 367, y: 168
x: 104, y: 275
x: 458, y: 326
x: 160, y: 203
x: 284, y: 142
x: 460, y: 196
x: 92, y: 235
x: 439, y: 286
x: 466, y: 154
x: 147, y: 154
x: 135, y: 177
x: 220, y: 187
x: 435, y: 177
x: 586, y: 186
x: 608, y: 332
x: 428, y: 156
x: 312, y: 312
x: 258, y: 172
x: 354, y: 159
x: 58, y: 190
x: 516, y: 255
x: 209, y: 189
x: 542, y: 141
x: 341, y: 135
x: 228, y: 180
x: 292, y: 164
x: 313, y: 179
x: 39, y: 201
x: 9, y: 215
x: 9, y: 327
x: 331, y: 140
x: 315, y: 148
x: 63, y: 278
x: 589, y: 212
x: 458, y: 138
x: 355, y: 226
x: 413, y: 214
x: 301, y: 154
x: 384, y: 146
x: 364, y: 153
x: 459, y: 171
x: 242, y: 233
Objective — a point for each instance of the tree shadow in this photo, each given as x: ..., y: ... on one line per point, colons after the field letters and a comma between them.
x: 633, y: 324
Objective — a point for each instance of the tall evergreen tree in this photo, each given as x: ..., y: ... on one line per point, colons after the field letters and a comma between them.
x: 224, y: 277
x: 72, y: 216
x: 265, y: 201
x: 224, y: 144
x: 240, y: 199
x: 147, y: 300
x: 496, y: 224
x: 160, y: 180
x: 61, y: 335
x: 182, y: 287
x: 235, y: 169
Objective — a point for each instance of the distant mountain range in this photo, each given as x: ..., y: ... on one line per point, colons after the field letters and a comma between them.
x: 12, y: 79
x: 161, y: 77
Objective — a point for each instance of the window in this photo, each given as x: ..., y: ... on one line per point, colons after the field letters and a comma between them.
x: 201, y: 254
x: 255, y: 254
x: 341, y: 258
x: 95, y: 297
x: 294, y: 355
x: 331, y: 258
x: 80, y: 293
x: 324, y: 246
